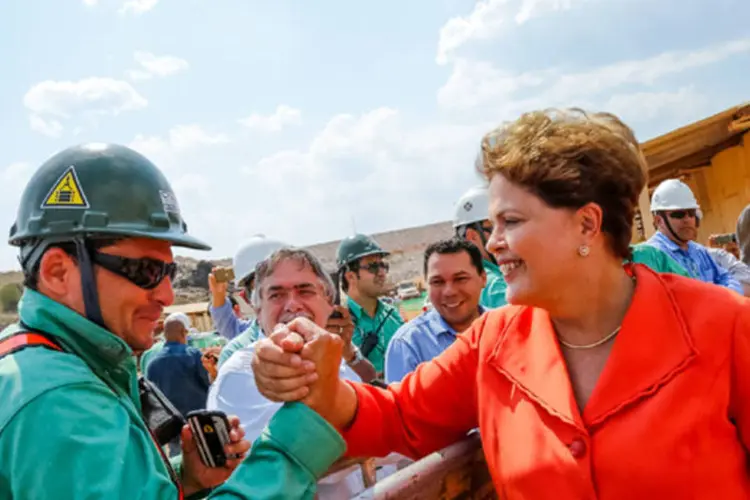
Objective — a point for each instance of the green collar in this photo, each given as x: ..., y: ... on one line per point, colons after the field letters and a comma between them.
x: 490, y: 267
x: 358, y: 311
x: 98, y: 347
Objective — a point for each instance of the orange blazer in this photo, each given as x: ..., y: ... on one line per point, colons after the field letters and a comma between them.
x: 668, y: 419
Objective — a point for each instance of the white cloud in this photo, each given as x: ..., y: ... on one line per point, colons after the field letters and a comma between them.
x: 90, y: 3
x: 50, y: 128
x: 477, y: 85
x: 137, y: 7
x: 682, y: 104
x: 52, y: 100
x: 152, y: 65
x: 377, y: 167
x: 16, y: 175
x: 95, y: 95
x: 489, y: 18
x: 284, y: 116
x: 166, y: 151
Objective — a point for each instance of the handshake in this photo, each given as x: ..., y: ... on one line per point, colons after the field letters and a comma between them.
x: 300, y: 361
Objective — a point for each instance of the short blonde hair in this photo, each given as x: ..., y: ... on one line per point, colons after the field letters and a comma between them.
x: 569, y: 158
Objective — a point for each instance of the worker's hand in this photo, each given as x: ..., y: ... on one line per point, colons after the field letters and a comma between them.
x: 280, y: 372
x: 282, y: 366
x: 344, y: 328
x: 218, y: 289
x: 210, y: 361
x: 197, y: 476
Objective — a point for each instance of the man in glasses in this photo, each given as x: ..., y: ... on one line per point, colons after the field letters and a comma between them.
x: 95, y: 228
x: 471, y: 223
x: 363, y: 273
x: 677, y: 217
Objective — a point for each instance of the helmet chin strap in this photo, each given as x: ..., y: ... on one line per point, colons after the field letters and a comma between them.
x: 671, y: 229
x: 477, y: 226
x: 88, y: 283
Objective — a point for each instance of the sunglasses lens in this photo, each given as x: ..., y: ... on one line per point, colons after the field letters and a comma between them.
x: 145, y: 273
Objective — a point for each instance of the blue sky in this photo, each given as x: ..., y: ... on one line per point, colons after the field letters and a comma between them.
x: 293, y: 118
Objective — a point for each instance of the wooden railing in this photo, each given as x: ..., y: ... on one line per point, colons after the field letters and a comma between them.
x: 456, y: 472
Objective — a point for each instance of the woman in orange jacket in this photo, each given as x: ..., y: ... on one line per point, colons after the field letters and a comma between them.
x: 599, y: 380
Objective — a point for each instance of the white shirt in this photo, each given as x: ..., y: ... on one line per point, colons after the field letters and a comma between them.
x: 234, y: 392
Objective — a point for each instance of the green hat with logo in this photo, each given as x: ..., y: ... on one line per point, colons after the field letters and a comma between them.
x: 356, y: 247
x: 96, y: 192
x: 104, y: 190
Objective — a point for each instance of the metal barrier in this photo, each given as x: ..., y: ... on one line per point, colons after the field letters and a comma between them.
x: 456, y: 472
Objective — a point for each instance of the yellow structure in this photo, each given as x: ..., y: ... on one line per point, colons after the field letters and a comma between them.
x: 713, y: 157
x: 197, y: 312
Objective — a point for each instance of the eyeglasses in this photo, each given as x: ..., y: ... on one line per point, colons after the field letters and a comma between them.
x: 145, y: 272
x: 681, y: 214
x: 375, y: 267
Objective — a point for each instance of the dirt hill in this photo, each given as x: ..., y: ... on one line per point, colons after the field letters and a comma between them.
x: 191, y: 284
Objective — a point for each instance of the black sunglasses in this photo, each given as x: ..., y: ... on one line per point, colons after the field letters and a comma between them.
x: 375, y: 267
x: 681, y: 214
x: 145, y: 272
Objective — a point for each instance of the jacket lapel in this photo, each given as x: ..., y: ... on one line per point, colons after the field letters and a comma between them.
x: 528, y: 355
x: 653, y: 346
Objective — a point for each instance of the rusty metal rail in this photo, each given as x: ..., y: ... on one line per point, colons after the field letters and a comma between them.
x: 456, y: 472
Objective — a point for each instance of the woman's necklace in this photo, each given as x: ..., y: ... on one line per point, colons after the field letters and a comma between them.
x: 591, y: 346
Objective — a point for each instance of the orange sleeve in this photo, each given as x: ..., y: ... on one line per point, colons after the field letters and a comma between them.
x: 432, y: 407
x: 740, y: 395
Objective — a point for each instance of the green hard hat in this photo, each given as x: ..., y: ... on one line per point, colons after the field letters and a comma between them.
x: 355, y: 247
x: 99, y: 190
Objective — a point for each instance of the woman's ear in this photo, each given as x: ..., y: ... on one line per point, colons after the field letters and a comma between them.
x: 590, y: 218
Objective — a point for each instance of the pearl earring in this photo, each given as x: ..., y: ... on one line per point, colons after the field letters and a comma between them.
x: 583, y: 250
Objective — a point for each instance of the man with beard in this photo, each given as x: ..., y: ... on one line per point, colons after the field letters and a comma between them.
x: 455, y: 278
x: 677, y: 217
x: 363, y: 275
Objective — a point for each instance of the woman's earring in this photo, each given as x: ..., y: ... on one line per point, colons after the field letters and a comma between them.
x: 583, y: 250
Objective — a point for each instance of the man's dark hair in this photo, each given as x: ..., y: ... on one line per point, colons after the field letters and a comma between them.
x: 455, y: 245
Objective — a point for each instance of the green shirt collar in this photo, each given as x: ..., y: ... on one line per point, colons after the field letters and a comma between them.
x: 490, y: 267
x: 357, y: 310
x: 98, y: 347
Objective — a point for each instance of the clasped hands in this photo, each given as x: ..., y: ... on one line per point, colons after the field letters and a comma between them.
x: 300, y: 361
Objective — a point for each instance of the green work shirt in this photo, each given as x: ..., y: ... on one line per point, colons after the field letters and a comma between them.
x: 493, y: 293
x: 386, y: 315
x: 71, y: 425
x: 658, y: 260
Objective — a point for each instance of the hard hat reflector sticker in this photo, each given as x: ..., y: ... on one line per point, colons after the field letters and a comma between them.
x: 66, y: 192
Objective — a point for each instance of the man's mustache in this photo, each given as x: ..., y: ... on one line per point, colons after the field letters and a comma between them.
x: 288, y: 317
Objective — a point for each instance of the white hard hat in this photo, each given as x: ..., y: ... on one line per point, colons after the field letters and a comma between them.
x: 473, y: 206
x: 180, y: 318
x: 250, y: 253
x: 673, y: 194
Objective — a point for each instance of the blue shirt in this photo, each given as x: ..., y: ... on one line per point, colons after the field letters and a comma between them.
x: 417, y: 341
x: 226, y: 322
x: 697, y: 261
x: 178, y: 372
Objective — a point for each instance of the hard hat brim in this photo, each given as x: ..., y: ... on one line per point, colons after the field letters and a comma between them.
x: 176, y: 239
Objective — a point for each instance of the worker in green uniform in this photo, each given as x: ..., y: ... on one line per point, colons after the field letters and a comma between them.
x: 658, y: 260
x: 471, y: 222
x: 95, y: 231
x: 363, y: 273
